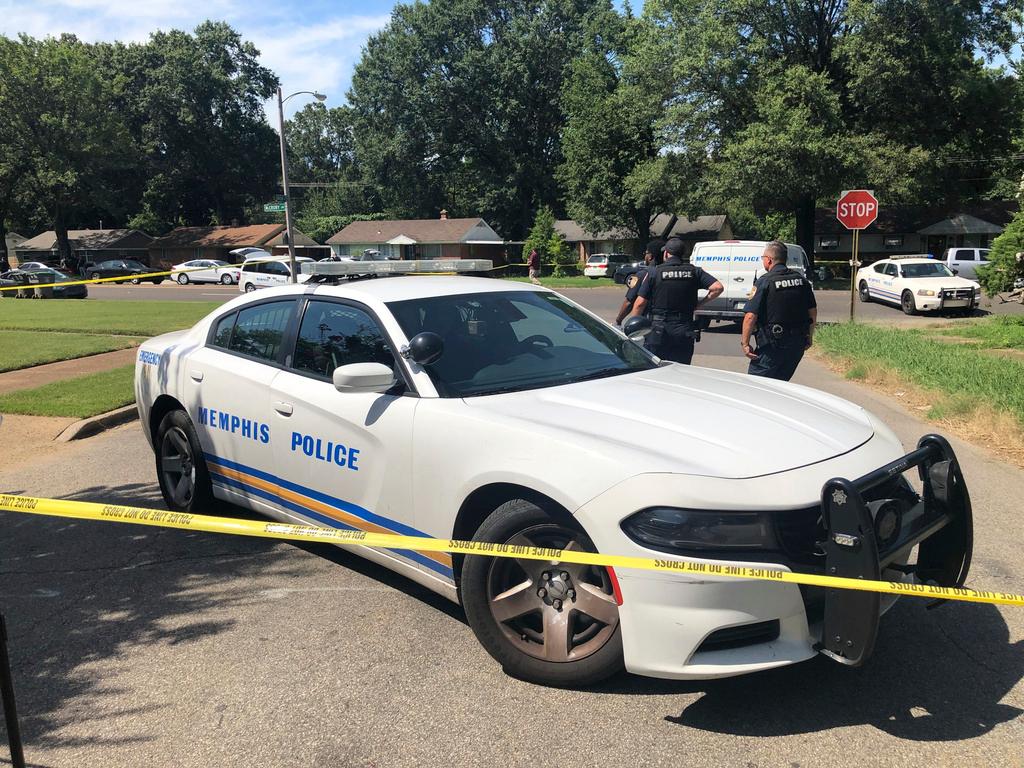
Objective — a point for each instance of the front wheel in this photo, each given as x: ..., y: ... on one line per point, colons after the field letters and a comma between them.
x: 94, y: 276
x: 907, y: 303
x: 180, y: 466
x: 863, y: 293
x: 135, y: 281
x: 544, y: 621
x: 182, y: 279
x: 226, y: 280
x: 249, y: 287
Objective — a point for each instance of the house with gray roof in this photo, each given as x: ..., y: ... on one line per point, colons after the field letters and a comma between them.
x: 664, y: 225
x: 87, y: 245
x: 410, y: 239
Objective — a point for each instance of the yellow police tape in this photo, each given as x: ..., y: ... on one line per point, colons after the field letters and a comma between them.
x: 81, y: 510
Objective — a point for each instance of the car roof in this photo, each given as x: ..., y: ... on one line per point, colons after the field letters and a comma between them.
x: 912, y: 260
x: 404, y: 287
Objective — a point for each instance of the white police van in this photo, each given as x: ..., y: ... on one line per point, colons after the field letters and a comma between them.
x: 737, y: 264
x: 481, y: 409
x: 261, y: 272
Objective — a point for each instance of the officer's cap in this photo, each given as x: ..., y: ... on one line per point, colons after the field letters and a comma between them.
x: 675, y: 247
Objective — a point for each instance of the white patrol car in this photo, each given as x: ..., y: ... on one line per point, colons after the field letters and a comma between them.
x: 481, y: 409
x: 917, y: 284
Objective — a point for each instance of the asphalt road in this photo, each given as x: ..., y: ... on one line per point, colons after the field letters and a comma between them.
x: 140, y: 647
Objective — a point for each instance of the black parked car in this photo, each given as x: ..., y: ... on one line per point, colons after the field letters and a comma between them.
x: 127, y: 268
x: 625, y: 270
x: 28, y: 278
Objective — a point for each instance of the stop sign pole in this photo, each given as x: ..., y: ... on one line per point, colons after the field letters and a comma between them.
x: 856, y: 209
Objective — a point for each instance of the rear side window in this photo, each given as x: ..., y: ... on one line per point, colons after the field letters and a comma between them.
x: 890, y: 269
x: 250, y: 267
x: 274, y: 268
x: 336, y: 334
x: 964, y: 254
x: 222, y: 333
x: 259, y: 330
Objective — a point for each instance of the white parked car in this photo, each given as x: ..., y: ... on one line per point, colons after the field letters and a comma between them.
x: 266, y: 273
x: 478, y: 409
x: 206, y: 271
x: 605, y: 264
x: 917, y: 284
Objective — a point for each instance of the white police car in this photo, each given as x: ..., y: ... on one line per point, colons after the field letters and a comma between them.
x: 458, y: 407
x: 917, y: 284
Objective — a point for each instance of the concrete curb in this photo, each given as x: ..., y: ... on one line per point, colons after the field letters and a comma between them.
x: 96, y: 424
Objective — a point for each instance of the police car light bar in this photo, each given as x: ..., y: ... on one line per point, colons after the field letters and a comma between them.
x: 342, y: 268
x: 911, y: 256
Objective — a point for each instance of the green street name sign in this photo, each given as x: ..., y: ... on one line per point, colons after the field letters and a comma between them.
x: 274, y: 207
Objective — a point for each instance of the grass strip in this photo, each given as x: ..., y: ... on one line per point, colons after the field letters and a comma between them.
x: 1000, y: 332
x: 128, y: 318
x: 78, y: 398
x: 22, y: 349
x: 572, y: 282
x: 963, y: 372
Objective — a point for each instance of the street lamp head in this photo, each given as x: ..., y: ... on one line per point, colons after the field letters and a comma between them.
x: 320, y: 96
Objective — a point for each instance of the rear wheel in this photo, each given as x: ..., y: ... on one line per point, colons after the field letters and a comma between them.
x: 226, y: 280
x: 907, y: 303
x: 180, y: 466
x: 249, y: 287
x: 135, y: 281
x: 94, y: 276
x: 863, y: 293
x: 547, y: 622
x: 182, y: 279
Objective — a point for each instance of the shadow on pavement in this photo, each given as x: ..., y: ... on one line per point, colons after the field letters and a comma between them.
x: 934, y: 676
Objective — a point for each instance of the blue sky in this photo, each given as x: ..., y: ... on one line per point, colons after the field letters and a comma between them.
x: 311, y: 44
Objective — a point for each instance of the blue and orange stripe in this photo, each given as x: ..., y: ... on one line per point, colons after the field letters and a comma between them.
x: 321, y: 507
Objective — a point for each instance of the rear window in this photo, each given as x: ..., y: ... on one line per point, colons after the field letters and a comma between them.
x: 260, y: 329
x: 597, y: 259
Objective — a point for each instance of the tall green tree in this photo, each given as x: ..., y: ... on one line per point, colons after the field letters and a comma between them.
x: 64, y: 128
x: 193, y: 103
x: 792, y: 102
x: 457, y: 106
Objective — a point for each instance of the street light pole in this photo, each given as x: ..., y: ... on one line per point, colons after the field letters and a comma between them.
x: 289, y: 231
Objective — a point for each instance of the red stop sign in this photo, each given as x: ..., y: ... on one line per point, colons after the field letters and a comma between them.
x: 857, y: 208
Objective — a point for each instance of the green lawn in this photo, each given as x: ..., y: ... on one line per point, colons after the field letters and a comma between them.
x: 78, y: 398
x: 961, y: 371
x: 572, y: 282
x: 129, y: 318
x: 21, y: 349
x: 1000, y: 332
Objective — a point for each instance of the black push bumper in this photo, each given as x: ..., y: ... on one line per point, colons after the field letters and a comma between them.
x: 865, y: 537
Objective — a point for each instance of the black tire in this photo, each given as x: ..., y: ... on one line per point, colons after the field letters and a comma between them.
x: 907, y: 303
x: 863, y: 293
x: 134, y: 281
x: 703, y: 322
x: 176, y: 438
x: 515, y: 643
x: 158, y: 281
x: 249, y: 287
x: 182, y: 279
x: 94, y: 276
x: 226, y: 280
x: 592, y: 277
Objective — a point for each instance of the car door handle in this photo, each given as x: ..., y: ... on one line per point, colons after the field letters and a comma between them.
x: 739, y: 279
x: 196, y: 375
x: 285, y: 409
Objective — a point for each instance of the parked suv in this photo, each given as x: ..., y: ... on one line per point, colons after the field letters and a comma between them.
x: 267, y: 274
x: 605, y: 264
x: 965, y: 261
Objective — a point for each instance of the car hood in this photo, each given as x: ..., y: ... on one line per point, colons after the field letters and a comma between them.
x: 691, y: 420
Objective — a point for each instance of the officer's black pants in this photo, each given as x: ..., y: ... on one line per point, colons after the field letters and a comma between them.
x: 779, y: 360
x: 671, y: 341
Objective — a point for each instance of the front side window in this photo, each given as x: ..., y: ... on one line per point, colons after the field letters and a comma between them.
x: 516, y: 340
x: 891, y: 271
x: 332, y: 335
x: 965, y: 254
x: 274, y: 268
x: 259, y: 330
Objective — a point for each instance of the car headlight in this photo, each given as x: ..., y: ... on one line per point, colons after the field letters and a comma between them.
x: 925, y: 292
x: 977, y: 290
x: 671, y: 529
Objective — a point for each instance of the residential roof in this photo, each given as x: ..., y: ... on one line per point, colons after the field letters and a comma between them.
x: 687, y: 227
x: 574, y: 233
x: 416, y: 231
x: 88, y: 239
x: 228, y: 237
x: 991, y: 215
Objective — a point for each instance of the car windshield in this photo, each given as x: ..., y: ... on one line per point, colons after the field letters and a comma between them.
x: 220, y: 263
x: 933, y: 269
x: 516, y: 340
x: 134, y: 264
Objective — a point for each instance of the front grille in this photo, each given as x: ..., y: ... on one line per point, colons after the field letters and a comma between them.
x: 958, y: 293
x: 799, y: 532
x: 739, y: 637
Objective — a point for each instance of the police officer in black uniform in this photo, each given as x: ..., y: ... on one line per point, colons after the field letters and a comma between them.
x: 652, y: 258
x: 781, y: 314
x: 671, y: 294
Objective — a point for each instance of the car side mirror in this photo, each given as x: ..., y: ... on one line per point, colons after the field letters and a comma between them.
x: 956, y: 271
x: 363, y: 377
x: 637, y: 327
x: 424, y: 348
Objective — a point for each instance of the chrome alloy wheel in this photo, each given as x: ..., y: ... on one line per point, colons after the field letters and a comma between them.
x: 178, y: 466
x: 553, y: 611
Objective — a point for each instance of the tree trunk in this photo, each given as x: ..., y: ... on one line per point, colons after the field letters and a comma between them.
x: 642, y: 224
x: 60, y: 228
x: 805, y: 225
x: 5, y: 261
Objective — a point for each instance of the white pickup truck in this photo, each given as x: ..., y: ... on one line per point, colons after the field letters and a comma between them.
x: 965, y: 261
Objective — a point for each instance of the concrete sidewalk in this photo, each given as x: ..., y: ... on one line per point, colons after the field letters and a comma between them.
x: 38, y: 375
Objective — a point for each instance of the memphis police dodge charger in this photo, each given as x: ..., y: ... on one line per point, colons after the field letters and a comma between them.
x: 468, y: 408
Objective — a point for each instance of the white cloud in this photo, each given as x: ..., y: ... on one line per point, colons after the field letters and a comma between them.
x: 306, y: 53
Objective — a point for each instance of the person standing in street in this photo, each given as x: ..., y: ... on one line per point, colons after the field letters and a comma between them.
x: 781, y: 314
x: 671, y: 294
x: 533, y: 266
x: 652, y: 258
